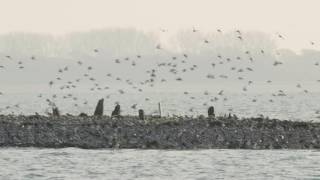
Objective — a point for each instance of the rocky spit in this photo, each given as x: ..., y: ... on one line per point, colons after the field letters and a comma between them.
x: 93, y: 132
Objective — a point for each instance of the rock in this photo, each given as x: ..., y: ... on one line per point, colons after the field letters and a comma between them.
x: 116, y: 111
x: 217, y: 123
x: 55, y: 112
x: 99, y: 108
x: 83, y: 115
x: 211, y: 112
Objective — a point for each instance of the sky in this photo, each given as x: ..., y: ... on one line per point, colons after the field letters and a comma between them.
x: 295, y: 19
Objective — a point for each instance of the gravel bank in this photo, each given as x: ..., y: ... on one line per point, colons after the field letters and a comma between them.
x: 157, y: 133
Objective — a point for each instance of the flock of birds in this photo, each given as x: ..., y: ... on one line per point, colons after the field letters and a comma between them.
x: 160, y: 73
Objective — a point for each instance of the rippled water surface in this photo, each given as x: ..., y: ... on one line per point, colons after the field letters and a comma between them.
x: 71, y: 163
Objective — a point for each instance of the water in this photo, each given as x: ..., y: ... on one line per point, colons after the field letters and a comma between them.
x: 295, y: 106
x: 71, y: 163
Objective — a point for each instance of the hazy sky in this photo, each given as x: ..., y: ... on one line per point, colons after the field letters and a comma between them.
x: 296, y: 19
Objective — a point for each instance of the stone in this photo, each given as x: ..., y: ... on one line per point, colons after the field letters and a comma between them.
x: 83, y: 115
x: 55, y: 112
x: 116, y: 111
x: 211, y: 112
x: 99, y: 108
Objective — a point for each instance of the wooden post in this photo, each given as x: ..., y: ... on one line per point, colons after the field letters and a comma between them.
x: 159, y: 107
x: 211, y: 112
x: 99, y: 108
x: 141, y: 114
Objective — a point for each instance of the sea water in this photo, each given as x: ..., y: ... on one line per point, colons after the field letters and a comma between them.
x: 73, y: 163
